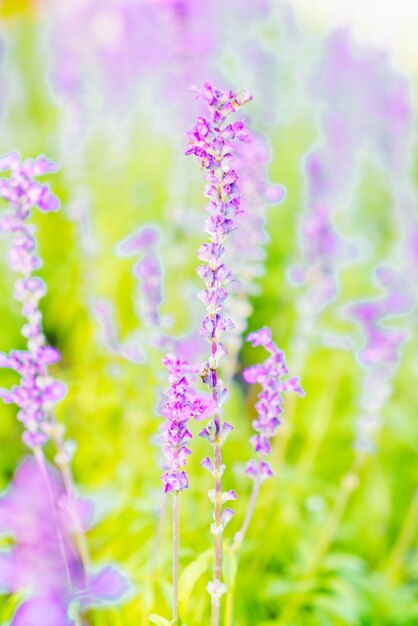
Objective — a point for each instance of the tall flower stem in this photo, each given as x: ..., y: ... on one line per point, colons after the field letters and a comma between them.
x: 210, y: 140
x: 218, y: 537
x: 176, y: 543
x: 236, y: 545
x: 405, y: 537
x: 320, y: 421
x: 182, y: 404
x: 272, y: 376
x: 240, y: 535
x: 40, y: 460
x: 67, y: 476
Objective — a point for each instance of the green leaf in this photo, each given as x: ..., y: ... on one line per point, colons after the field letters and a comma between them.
x: 158, y: 620
x: 229, y: 568
x: 189, y: 577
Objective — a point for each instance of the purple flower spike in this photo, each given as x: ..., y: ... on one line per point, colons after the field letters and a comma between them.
x: 270, y: 399
x: 147, y: 270
x: 379, y: 355
x: 211, y: 142
x: 181, y: 405
x: 37, y: 392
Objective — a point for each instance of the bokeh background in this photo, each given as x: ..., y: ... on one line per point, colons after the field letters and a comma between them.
x: 103, y: 87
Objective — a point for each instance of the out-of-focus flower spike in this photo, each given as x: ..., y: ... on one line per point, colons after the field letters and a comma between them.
x: 270, y: 375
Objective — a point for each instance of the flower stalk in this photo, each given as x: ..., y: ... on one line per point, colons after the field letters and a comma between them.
x: 211, y: 142
x: 176, y: 543
x: 38, y: 392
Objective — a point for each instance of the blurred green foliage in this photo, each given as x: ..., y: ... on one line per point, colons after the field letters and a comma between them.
x: 367, y: 573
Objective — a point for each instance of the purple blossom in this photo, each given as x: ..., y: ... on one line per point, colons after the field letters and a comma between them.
x: 124, y: 45
x: 246, y: 252
x: 104, y: 314
x: 147, y: 271
x: 358, y: 79
x: 380, y: 353
x: 382, y: 343
x: 211, y: 142
x: 34, y: 563
x: 348, y: 81
x: 272, y: 376
x: 37, y: 392
x: 181, y: 405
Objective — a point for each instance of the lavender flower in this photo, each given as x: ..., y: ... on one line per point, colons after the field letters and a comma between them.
x: 147, y: 271
x: 182, y: 404
x: 37, y: 392
x: 103, y: 311
x: 379, y: 356
x: 34, y: 562
x: 246, y: 253
x: 211, y: 142
x: 125, y: 45
x: 271, y: 376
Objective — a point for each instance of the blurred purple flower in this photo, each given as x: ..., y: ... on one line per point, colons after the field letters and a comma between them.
x: 246, y: 252
x: 380, y: 353
x: 123, y: 45
x: 272, y: 376
x: 37, y: 392
x: 147, y: 271
x: 34, y: 563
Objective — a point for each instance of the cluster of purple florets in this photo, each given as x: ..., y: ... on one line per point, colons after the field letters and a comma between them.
x: 210, y: 141
x: 182, y: 404
x: 37, y: 392
x: 271, y: 376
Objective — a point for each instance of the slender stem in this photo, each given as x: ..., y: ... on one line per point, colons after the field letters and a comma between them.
x: 65, y: 469
x: 320, y: 420
x: 229, y: 606
x: 240, y: 535
x: 176, y: 543
x: 40, y: 459
x: 349, y: 483
x: 236, y: 545
x: 217, y: 565
x: 405, y: 537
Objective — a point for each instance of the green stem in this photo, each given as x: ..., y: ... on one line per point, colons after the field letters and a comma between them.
x: 176, y: 544
x: 405, y: 538
x: 40, y: 459
x: 65, y: 469
x: 229, y: 606
x: 240, y: 535
x: 217, y: 565
x: 320, y: 422
x: 237, y: 543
